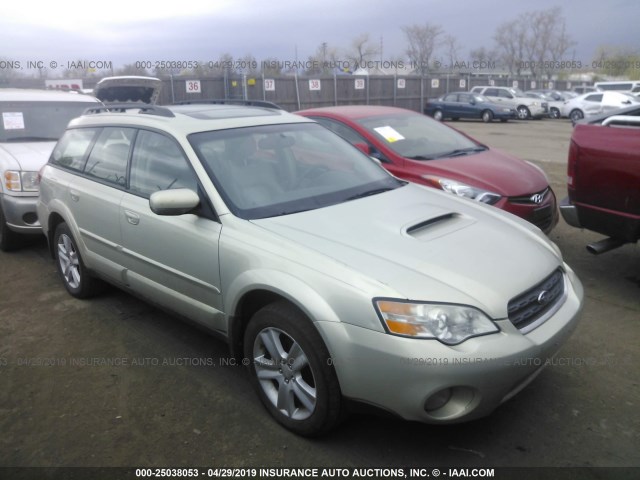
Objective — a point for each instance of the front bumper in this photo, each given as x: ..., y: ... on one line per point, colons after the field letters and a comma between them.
x: 404, y: 375
x: 20, y: 213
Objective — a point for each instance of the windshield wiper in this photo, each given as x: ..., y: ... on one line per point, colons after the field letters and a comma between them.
x: 420, y: 157
x: 31, y: 139
x: 368, y: 193
x: 459, y: 152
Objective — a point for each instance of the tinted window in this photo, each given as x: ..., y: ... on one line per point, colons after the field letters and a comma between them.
x: 491, y: 92
x: 505, y: 94
x: 158, y: 163
x: 341, y: 129
x: 71, y: 150
x: 109, y: 157
x: 37, y: 121
x: 452, y: 97
x: 596, y: 97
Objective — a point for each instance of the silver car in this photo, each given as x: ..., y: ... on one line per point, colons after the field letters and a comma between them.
x: 32, y: 122
x: 329, y: 278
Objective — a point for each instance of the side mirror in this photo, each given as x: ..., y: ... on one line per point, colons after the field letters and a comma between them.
x: 173, y: 202
x: 472, y: 102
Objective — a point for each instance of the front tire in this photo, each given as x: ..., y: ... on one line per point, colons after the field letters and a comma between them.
x: 292, y: 371
x: 438, y: 115
x: 523, y: 112
x: 554, y: 113
x: 75, y: 276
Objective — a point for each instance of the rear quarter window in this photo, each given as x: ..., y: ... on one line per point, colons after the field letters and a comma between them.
x: 72, y: 149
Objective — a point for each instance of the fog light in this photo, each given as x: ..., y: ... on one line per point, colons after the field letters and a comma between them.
x: 30, y: 218
x: 437, y: 400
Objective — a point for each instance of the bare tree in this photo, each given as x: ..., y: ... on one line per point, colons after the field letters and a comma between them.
x: 423, y: 41
x: 535, y: 41
x: 323, y: 61
x: 362, y: 50
x: 452, y: 48
x: 510, y: 45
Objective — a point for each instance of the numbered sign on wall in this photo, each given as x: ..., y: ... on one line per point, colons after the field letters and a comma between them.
x: 435, y: 83
x: 314, y: 84
x: 463, y: 83
x: 359, y: 83
x: 193, y: 86
x: 402, y: 83
x: 269, y: 85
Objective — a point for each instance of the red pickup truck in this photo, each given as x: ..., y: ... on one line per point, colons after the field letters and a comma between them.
x: 604, y: 179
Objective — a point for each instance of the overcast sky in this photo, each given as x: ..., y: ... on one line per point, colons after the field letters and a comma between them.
x: 126, y: 31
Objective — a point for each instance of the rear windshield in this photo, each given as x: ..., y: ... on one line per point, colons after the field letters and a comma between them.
x: 37, y: 121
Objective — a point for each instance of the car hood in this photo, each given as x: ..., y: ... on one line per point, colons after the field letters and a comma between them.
x: 29, y: 156
x: 490, y: 169
x: 422, y: 244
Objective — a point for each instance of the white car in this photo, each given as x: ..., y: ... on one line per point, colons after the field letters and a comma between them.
x: 331, y: 279
x: 32, y: 122
x: 524, y: 106
x: 595, y: 103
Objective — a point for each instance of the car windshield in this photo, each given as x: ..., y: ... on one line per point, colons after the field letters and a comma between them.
x: 418, y: 137
x: 37, y: 121
x: 274, y: 170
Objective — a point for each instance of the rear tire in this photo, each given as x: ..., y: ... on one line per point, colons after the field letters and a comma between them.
x: 75, y: 276
x: 576, y: 115
x: 438, y: 115
x: 291, y: 370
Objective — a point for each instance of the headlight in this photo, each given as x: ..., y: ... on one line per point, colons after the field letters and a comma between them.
x: 463, y: 190
x: 450, y: 324
x: 16, y: 181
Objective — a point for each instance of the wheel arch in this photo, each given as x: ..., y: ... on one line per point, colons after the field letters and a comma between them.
x: 253, y: 290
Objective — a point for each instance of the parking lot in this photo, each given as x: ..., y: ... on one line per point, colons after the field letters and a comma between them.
x: 113, y: 381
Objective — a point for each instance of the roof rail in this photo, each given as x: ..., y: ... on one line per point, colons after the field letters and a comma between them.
x: 231, y: 101
x: 123, y: 107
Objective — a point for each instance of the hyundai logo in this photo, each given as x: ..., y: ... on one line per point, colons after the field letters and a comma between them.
x: 537, y: 198
x: 544, y: 297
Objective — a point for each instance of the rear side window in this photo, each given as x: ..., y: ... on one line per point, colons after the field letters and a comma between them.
x: 159, y: 164
x: 109, y: 157
x: 341, y: 129
x: 71, y: 151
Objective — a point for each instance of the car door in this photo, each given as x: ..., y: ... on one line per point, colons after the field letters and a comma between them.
x: 172, y: 260
x: 592, y: 104
x: 94, y: 199
x: 465, y: 108
x: 452, y: 108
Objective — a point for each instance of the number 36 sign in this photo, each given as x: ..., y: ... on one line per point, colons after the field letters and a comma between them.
x: 193, y: 86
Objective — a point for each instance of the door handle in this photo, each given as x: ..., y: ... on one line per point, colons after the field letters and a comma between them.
x: 132, y: 218
x: 74, y: 195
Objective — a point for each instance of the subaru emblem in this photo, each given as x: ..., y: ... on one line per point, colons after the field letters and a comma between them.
x: 543, y: 297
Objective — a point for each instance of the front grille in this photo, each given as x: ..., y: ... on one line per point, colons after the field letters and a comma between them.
x: 542, y: 217
x: 529, y: 199
x: 532, y: 305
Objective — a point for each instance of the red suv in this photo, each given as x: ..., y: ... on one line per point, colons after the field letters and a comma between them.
x: 417, y: 148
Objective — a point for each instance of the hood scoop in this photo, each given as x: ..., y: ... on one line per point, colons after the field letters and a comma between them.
x: 437, y: 226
